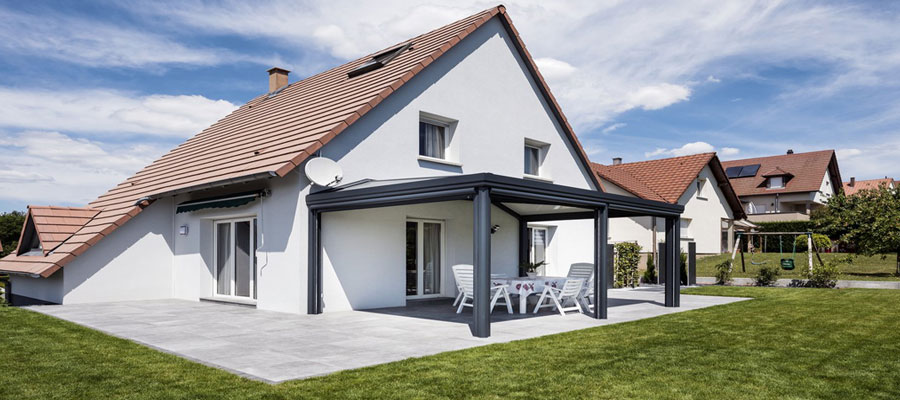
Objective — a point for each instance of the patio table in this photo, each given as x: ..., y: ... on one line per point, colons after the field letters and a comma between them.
x: 525, y: 286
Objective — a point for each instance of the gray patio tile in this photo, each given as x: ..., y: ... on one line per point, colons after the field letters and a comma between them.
x: 274, y: 347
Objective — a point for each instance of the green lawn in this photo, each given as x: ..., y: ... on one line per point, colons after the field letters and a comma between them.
x: 787, y: 343
x: 863, y: 268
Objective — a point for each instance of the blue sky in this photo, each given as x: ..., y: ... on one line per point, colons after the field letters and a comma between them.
x: 90, y: 92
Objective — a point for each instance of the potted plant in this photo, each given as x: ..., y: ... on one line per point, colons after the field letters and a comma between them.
x: 531, y: 268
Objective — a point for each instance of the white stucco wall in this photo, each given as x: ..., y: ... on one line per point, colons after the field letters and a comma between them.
x: 46, y: 289
x: 364, y: 251
x: 133, y: 263
x: 705, y: 215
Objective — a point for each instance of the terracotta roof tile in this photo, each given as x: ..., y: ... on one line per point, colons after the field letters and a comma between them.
x: 866, y: 185
x: 808, y: 170
x: 667, y: 179
x: 272, y: 135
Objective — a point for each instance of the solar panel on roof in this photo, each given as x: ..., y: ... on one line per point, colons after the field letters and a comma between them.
x: 742, y: 171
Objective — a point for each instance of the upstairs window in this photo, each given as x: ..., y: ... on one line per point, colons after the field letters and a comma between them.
x: 432, y: 140
x: 532, y: 160
x: 776, y: 182
x: 701, y: 189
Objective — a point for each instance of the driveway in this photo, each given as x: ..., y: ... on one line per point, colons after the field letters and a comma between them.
x: 274, y: 347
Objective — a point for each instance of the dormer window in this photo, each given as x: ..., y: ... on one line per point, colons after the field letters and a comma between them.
x: 776, y: 182
x: 776, y: 178
x: 379, y: 60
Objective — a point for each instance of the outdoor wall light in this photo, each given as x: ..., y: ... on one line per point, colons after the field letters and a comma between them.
x: 183, y: 230
x: 494, y: 229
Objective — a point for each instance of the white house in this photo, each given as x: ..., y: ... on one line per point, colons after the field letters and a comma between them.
x: 785, y: 187
x: 450, y: 143
x: 696, y: 182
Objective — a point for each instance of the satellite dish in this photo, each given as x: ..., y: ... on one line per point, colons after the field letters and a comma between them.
x: 323, y: 171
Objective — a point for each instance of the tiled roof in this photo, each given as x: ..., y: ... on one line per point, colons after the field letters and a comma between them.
x: 866, y: 184
x: 667, y: 179
x: 808, y: 170
x: 54, y: 225
x: 272, y: 135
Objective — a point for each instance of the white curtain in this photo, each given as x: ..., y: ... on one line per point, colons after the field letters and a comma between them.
x: 432, y: 258
x: 431, y: 140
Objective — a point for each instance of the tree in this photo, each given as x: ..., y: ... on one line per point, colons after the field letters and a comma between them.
x: 870, y: 220
x: 10, y: 228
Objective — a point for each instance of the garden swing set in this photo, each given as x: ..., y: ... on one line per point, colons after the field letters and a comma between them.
x: 786, y: 263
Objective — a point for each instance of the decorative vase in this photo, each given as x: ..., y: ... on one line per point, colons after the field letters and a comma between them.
x: 531, y: 274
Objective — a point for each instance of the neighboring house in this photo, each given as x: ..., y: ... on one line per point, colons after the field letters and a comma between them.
x: 786, y: 187
x: 696, y: 182
x: 854, y: 186
x: 432, y: 135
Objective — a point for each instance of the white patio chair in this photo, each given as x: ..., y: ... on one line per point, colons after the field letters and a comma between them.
x: 561, y: 297
x: 465, y: 282
x: 584, y: 271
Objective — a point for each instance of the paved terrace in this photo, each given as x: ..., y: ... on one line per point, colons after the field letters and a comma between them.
x: 274, y: 347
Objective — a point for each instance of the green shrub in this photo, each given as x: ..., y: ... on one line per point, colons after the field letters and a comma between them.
x: 628, y: 255
x: 821, y: 242
x: 723, y: 272
x: 650, y: 272
x: 826, y: 276
x: 684, y: 277
x: 767, y: 275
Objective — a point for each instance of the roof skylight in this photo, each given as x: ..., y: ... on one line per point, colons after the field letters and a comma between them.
x: 379, y: 60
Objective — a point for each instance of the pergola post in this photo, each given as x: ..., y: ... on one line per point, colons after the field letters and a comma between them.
x: 481, y: 231
x: 314, y: 264
x: 601, y: 262
x: 673, y: 262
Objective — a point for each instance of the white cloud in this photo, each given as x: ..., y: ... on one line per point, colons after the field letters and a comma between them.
x: 94, y: 43
x: 618, y: 56
x: 871, y: 162
x: 104, y: 111
x: 613, y: 127
x: 848, y: 153
x: 41, y: 167
x: 729, y: 151
x: 655, y: 97
x: 691, y: 148
x: 552, y: 68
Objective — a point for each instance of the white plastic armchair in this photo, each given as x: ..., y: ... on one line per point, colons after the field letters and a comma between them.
x: 584, y: 271
x: 465, y: 282
x: 562, y: 297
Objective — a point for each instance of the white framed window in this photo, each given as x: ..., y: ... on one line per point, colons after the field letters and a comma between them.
x: 776, y: 182
x: 433, y: 140
x: 532, y: 160
x: 534, y: 155
x: 436, y: 140
x: 424, y: 258
x: 537, y: 249
x: 686, y: 228
x: 701, y: 188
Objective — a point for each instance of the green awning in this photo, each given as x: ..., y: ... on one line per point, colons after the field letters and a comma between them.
x: 233, y: 200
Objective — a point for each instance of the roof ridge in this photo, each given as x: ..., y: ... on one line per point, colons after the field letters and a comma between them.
x: 661, y: 159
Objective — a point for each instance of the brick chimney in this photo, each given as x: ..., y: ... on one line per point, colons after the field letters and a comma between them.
x: 617, y: 160
x: 852, y: 181
x: 790, y: 151
x: 278, y: 78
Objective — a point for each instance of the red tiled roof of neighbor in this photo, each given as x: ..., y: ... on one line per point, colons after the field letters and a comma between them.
x: 667, y: 179
x: 808, y: 170
x: 866, y: 184
x: 272, y: 135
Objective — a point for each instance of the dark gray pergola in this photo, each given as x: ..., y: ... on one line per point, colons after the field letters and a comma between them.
x: 505, y: 193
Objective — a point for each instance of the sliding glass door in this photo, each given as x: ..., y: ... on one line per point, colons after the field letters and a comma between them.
x: 235, y: 258
x: 424, y: 258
